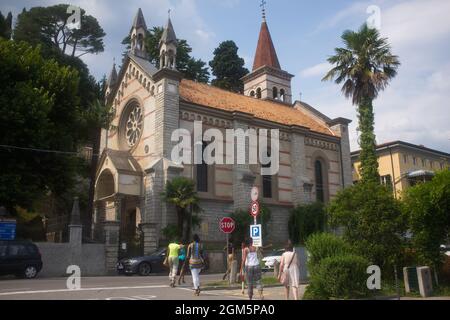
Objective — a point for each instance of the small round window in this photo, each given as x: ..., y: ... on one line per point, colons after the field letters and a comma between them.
x: 134, y: 123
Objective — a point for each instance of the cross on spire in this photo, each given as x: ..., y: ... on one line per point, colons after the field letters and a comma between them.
x: 263, y: 6
x: 169, y: 11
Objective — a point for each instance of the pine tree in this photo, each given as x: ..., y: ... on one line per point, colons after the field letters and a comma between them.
x: 228, y: 68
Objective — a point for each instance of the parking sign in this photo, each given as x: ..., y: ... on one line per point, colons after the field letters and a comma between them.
x: 256, y: 235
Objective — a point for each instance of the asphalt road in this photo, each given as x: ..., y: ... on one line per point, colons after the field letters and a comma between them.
x: 108, y: 288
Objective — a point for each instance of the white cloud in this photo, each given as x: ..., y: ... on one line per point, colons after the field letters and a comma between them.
x: 319, y: 70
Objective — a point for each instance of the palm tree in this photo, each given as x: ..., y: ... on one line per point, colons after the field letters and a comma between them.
x: 365, y: 66
x: 181, y: 192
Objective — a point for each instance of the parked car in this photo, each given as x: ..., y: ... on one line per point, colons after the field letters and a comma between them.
x: 144, y: 265
x: 20, y: 258
x: 270, y: 259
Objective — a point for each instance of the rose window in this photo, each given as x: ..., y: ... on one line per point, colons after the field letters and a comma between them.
x: 134, y: 126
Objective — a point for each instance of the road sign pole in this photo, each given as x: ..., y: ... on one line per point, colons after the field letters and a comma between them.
x: 228, y: 244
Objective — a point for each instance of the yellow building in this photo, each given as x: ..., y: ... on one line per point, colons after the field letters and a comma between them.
x: 403, y: 164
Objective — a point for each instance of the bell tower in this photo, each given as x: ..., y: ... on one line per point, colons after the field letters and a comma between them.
x: 138, y: 32
x: 168, y: 47
x: 267, y: 80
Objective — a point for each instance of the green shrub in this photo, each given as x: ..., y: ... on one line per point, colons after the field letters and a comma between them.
x: 324, y: 245
x: 427, y: 206
x: 340, y: 277
x: 372, y: 222
x: 306, y: 220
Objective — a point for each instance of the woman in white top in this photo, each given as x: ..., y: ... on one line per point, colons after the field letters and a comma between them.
x: 250, y: 262
x: 289, y: 265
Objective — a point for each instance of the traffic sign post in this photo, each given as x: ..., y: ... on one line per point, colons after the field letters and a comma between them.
x: 256, y: 235
x: 254, y: 210
x: 227, y: 226
x: 254, y: 194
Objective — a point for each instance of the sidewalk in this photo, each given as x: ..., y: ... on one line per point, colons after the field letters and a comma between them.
x: 270, y: 293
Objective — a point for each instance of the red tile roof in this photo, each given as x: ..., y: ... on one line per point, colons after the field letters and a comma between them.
x: 209, y: 96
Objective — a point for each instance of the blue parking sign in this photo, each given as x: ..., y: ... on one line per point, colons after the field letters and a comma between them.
x: 256, y: 231
x: 255, y: 234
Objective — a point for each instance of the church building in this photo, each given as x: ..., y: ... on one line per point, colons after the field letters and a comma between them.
x: 151, y: 102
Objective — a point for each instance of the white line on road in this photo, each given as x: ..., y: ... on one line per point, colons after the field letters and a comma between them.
x: 82, y: 289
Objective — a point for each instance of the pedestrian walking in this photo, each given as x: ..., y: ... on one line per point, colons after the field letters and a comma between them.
x: 230, y: 258
x: 196, y: 262
x: 182, y: 264
x: 289, y: 271
x: 251, y: 265
x: 173, y: 253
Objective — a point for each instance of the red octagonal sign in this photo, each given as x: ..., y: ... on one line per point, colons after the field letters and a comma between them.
x: 227, y: 225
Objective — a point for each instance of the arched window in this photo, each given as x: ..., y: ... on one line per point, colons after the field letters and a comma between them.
x: 140, y: 42
x: 258, y: 93
x: 282, y: 95
x: 275, y: 93
x: 202, y: 173
x: 320, y: 188
x: 252, y: 94
x: 267, y: 182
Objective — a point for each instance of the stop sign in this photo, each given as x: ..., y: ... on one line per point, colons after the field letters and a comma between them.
x: 227, y: 225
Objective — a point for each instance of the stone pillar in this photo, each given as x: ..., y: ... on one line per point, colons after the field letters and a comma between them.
x: 234, y: 272
x: 118, y: 201
x: 340, y: 126
x: 111, y: 234
x: 425, y: 282
x: 151, y: 238
x: 75, y: 234
x: 298, y: 165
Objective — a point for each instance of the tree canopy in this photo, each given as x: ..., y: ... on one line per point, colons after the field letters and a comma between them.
x: 365, y: 66
x: 39, y: 109
x: 427, y: 206
x: 50, y: 26
x: 228, y: 68
x: 191, y: 68
x: 5, y: 25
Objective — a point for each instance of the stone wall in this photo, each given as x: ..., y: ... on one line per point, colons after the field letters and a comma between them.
x: 56, y: 257
x: 278, y: 225
x: 213, y: 211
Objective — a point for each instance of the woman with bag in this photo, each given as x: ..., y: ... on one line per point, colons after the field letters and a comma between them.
x: 289, y: 271
x: 196, y: 262
x: 251, y: 264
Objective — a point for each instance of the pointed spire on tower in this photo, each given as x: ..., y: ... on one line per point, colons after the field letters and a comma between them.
x: 168, y: 47
x: 168, y: 35
x: 139, y: 21
x: 265, y: 51
x: 137, y: 35
x: 112, y: 79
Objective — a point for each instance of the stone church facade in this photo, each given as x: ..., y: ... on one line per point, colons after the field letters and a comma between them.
x: 150, y: 103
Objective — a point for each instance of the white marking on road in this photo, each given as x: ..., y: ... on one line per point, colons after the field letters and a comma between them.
x: 79, y: 290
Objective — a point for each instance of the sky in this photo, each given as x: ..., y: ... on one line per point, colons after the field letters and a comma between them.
x: 414, y: 108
